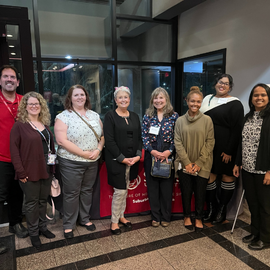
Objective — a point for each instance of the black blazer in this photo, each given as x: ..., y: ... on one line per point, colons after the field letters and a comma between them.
x: 117, y: 135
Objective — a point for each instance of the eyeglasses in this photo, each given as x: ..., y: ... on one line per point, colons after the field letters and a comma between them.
x: 33, y: 104
x: 222, y: 83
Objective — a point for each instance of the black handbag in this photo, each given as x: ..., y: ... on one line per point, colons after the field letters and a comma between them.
x: 161, y: 169
x: 158, y: 168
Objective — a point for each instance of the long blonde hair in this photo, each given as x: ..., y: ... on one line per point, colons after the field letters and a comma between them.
x: 44, y: 115
x: 168, y: 108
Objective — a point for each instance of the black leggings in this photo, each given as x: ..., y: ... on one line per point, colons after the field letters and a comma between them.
x: 188, y: 185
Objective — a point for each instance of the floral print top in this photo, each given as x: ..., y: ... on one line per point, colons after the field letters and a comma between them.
x: 250, y: 142
x: 79, y: 133
x: 167, y: 130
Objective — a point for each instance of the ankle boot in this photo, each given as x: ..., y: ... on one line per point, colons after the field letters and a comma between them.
x: 211, y: 201
x: 220, y: 215
x: 211, y: 210
x: 227, y: 190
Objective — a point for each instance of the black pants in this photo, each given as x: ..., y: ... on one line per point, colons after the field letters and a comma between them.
x: 10, y: 192
x: 36, y: 195
x: 258, y: 199
x: 159, y: 192
x: 188, y: 185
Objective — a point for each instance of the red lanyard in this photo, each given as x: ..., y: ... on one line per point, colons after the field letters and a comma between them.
x: 9, y: 108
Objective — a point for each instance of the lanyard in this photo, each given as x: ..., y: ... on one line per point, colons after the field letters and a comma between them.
x: 9, y: 108
x: 48, y: 143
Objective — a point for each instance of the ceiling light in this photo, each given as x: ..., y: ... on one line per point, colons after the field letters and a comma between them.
x: 68, y: 57
x: 13, y: 53
x: 80, y: 66
x: 9, y: 35
x: 11, y: 46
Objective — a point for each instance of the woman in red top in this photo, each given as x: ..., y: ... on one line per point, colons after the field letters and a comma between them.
x: 33, y: 155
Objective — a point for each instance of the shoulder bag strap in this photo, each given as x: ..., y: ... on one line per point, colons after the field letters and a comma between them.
x: 98, y: 138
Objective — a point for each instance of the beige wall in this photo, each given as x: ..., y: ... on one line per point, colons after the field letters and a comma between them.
x: 240, y: 26
x: 159, y: 6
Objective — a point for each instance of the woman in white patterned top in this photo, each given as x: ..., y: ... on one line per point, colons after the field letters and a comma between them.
x: 78, y: 132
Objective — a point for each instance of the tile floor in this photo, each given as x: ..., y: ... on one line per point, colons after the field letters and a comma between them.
x: 143, y: 247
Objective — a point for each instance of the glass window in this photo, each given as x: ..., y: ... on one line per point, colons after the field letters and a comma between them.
x: 133, y: 7
x: 59, y: 77
x: 201, y: 72
x: 142, y: 81
x: 78, y: 29
x: 26, y: 4
x: 144, y: 41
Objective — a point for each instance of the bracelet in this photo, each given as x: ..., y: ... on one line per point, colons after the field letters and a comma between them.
x: 98, y: 150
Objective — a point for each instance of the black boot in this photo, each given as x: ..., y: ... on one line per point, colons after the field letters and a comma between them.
x: 227, y: 190
x: 211, y: 202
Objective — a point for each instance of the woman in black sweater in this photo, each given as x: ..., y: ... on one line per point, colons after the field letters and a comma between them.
x: 123, y: 145
x: 254, y: 157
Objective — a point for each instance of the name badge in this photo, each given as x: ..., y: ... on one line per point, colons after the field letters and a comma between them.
x: 51, y: 159
x: 222, y: 100
x: 154, y: 130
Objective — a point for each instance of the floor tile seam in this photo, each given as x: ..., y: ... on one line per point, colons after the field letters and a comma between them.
x: 19, y: 252
x: 25, y: 251
x: 123, y: 250
x: 242, y: 257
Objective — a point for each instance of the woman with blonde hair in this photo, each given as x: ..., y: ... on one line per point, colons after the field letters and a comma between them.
x: 33, y: 156
x: 158, y: 140
x: 123, y: 145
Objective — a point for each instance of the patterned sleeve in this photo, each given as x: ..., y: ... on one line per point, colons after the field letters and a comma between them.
x: 63, y: 117
x: 145, y: 133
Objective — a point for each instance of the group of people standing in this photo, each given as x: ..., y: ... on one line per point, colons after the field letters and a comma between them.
x: 206, y: 143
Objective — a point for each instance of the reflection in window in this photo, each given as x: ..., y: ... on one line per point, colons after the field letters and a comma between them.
x: 59, y: 77
x: 201, y: 72
x: 142, y: 81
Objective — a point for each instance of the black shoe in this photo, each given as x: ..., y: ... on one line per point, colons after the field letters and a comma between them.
x: 35, y: 241
x: 259, y: 245
x: 127, y: 224
x: 91, y: 227
x: 68, y: 235
x: 198, y: 229
x: 221, y: 215
x: 250, y: 238
x: 19, y: 230
x: 189, y: 227
x: 116, y: 231
x: 47, y: 234
x: 3, y: 249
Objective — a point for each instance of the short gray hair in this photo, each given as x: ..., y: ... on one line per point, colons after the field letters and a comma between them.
x: 121, y: 88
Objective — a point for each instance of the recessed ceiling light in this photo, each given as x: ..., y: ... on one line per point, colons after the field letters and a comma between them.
x: 11, y: 46
x: 80, y: 66
x: 13, y: 53
x: 9, y: 35
x: 68, y: 57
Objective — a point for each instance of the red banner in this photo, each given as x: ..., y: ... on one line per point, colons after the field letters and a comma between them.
x: 137, y: 198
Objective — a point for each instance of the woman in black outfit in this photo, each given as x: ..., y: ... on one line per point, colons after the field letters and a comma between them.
x: 254, y: 157
x: 123, y: 145
x: 227, y: 115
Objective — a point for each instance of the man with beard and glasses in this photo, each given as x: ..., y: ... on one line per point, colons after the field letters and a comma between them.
x: 10, y: 190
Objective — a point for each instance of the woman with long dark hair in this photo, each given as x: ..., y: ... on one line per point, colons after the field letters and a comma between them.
x: 254, y: 157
